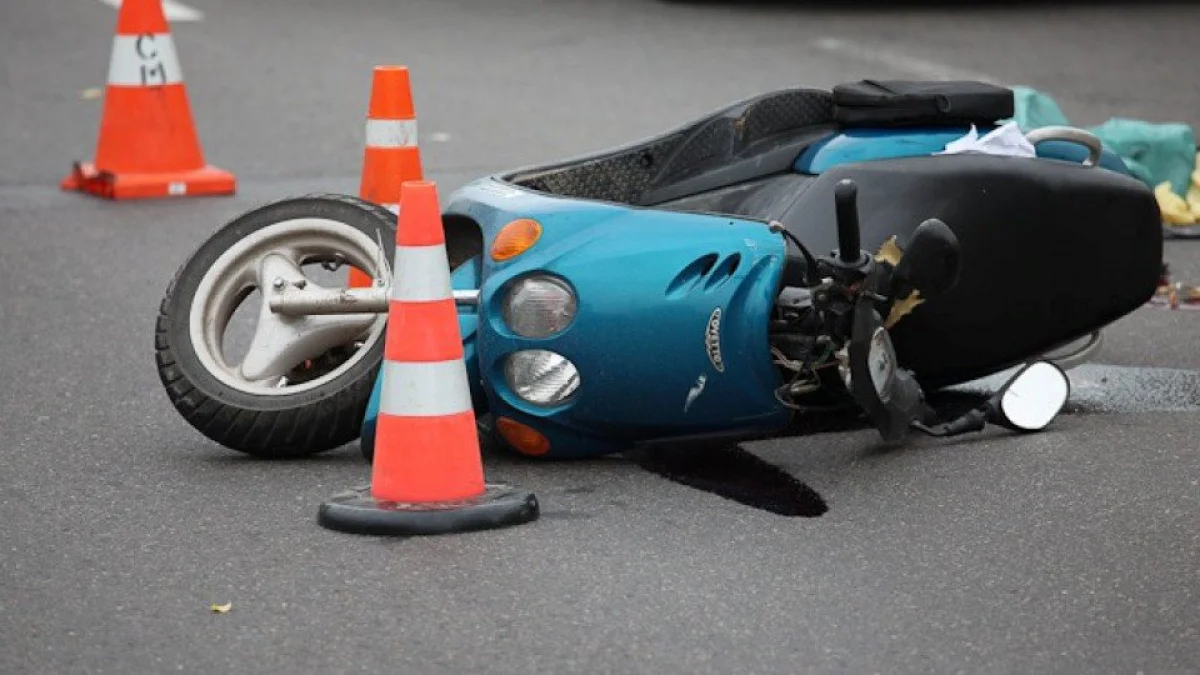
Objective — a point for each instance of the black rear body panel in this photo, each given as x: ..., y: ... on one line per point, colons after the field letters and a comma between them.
x: 1050, y: 250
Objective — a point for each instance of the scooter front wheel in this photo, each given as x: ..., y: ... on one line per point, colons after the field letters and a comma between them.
x: 302, y: 383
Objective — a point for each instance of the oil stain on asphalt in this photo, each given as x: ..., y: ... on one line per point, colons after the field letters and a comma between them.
x: 737, y: 475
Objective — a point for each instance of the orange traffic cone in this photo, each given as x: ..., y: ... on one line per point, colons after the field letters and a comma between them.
x: 427, y: 472
x: 391, y: 155
x: 148, y: 145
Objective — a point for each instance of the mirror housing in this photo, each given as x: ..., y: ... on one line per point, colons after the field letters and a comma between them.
x: 1032, y: 398
x: 931, y: 262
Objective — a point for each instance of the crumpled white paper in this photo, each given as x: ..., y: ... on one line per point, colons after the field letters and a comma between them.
x: 1007, y: 140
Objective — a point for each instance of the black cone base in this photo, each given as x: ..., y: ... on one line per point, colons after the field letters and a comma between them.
x: 357, y: 512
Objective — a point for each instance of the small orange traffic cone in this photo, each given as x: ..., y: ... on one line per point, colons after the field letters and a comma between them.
x: 147, y: 145
x: 427, y: 472
x: 391, y: 155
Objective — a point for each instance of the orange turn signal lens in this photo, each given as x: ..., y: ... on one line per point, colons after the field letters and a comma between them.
x: 515, y: 238
x: 522, y: 438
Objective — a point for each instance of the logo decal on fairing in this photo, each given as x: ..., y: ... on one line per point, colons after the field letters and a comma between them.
x: 712, y: 340
x: 695, y: 391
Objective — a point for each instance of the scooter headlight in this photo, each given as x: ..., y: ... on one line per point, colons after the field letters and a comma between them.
x: 539, y: 307
x: 541, y: 377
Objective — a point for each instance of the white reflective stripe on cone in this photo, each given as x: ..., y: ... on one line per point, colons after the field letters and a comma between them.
x: 426, y: 389
x: 144, y: 61
x: 391, y: 133
x: 421, y: 274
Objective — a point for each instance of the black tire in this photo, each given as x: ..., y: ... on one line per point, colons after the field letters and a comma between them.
x: 279, y: 425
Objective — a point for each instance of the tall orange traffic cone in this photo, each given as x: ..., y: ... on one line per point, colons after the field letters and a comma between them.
x: 148, y: 145
x: 427, y: 472
x: 391, y: 155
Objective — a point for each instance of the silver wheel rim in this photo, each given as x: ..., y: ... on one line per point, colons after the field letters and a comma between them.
x: 280, y: 341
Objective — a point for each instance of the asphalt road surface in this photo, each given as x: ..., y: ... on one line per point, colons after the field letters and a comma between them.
x: 1076, y: 550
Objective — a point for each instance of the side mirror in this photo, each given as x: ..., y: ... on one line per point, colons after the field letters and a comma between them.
x: 1029, y: 401
x: 931, y: 261
x: 1032, y: 398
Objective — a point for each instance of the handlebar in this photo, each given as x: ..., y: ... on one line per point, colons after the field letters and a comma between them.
x: 845, y: 195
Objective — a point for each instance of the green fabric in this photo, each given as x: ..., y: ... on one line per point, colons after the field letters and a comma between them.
x: 1035, y: 110
x: 1155, y: 153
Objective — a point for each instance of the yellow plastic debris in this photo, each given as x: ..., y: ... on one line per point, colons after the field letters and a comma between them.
x: 1193, y: 193
x: 1175, y: 209
x: 222, y: 609
x: 1178, y: 210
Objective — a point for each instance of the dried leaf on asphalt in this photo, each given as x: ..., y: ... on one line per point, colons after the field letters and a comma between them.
x: 221, y: 609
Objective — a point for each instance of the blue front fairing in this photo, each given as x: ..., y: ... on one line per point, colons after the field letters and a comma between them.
x: 671, y: 333
x: 670, y: 337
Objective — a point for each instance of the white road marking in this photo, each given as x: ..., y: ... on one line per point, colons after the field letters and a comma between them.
x: 917, y: 67
x: 174, y: 11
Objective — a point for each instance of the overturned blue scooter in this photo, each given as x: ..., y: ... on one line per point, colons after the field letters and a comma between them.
x: 708, y: 285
